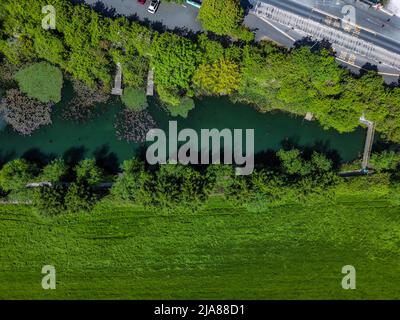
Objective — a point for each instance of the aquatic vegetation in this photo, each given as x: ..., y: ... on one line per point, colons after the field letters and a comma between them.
x: 133, y: 126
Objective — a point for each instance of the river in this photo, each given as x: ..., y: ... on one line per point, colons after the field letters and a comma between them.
x: 96, y: 138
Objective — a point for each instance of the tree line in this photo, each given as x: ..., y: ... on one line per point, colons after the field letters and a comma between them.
x: 290, y: 177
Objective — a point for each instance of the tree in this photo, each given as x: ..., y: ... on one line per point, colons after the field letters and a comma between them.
x: 79, y: 198
x: 16, y: 174
x: 49, y: 200
x: 174, y: 59
x: 182, y: 109
x: 55, y: 171
x: 178, y: 188
x: 88, y: 172
x: 220, y: 78
x: 24, y: 114
x: 135, y: 99
x: 223, y: 17
x: 292, y: 163
x: 41, y: 81
x: 131, y: 184
x: 320, y: 163
x: 385, y: 161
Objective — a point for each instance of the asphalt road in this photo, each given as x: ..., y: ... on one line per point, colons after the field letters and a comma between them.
x: 366, y: 16
x: 376, y: 38
x: 170, y: 15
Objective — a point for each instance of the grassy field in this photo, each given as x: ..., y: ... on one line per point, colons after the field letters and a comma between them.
x: 123, y: 252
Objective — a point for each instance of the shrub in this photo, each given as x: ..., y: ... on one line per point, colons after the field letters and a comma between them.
x: 54, y: 171
x: 130, y: 185
x: 24, y: 114
x: 135, y: 99
x: 41, y: 81
x: 186, y: 104
x: 16, y: 174
x: 88, y: 172
x: 79, y: 198
x: 385, y: 161
x: 49, y: 200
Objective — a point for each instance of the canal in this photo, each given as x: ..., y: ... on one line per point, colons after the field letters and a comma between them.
x: 96, y: 138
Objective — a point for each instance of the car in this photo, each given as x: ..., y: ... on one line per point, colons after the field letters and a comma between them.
x: 154, y: 4
x: 141, y: 1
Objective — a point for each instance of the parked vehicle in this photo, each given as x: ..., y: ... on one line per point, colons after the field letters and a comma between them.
x: 141, y: 1
x: 154, y: 4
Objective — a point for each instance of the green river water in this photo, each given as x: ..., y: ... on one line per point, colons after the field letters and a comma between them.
x: 96, y: 138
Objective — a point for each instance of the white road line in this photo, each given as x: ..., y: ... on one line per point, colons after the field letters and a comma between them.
x: 358, y: 67
x: 281, y: 31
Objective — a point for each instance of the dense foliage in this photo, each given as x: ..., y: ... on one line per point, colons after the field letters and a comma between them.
x: 88, y: 45
x: 224, y: 18
x: 291, y: 177
x: 16, y: 174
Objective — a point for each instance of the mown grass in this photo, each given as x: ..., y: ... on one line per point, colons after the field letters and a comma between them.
x: 123, y: 252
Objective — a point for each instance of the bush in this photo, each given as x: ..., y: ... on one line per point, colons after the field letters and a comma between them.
x: 41, y: 81
x: 135, y: 99
x: 385, y: 161
x: 79, y: 198
x: 54, y: 171
x: 224, y: 18
x: 24, y: 114
x: 88, y: 172
x: 130, y: 185
x: 186, y: 104
x: 49, y: 200
x: 16, y: 174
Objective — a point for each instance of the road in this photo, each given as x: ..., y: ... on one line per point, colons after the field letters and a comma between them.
x: 377, y: 36
x: 170, y: 15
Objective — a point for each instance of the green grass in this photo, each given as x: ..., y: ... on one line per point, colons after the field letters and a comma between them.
x: 41, y: 81
x: 120, y: 251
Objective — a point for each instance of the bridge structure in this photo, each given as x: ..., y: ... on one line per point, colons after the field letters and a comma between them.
x: 332, y: 32
x: 150, y: 83
x: 117, y: 90
x: 369, y: 140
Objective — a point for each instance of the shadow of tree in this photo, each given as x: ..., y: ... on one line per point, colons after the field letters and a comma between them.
x: 319, y: 146
x: 106, y: 159
x: 104, y: 10
x: 74, y: 155
x: 315, y: 45
x: 37, y: 156
x: 6, y: 157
